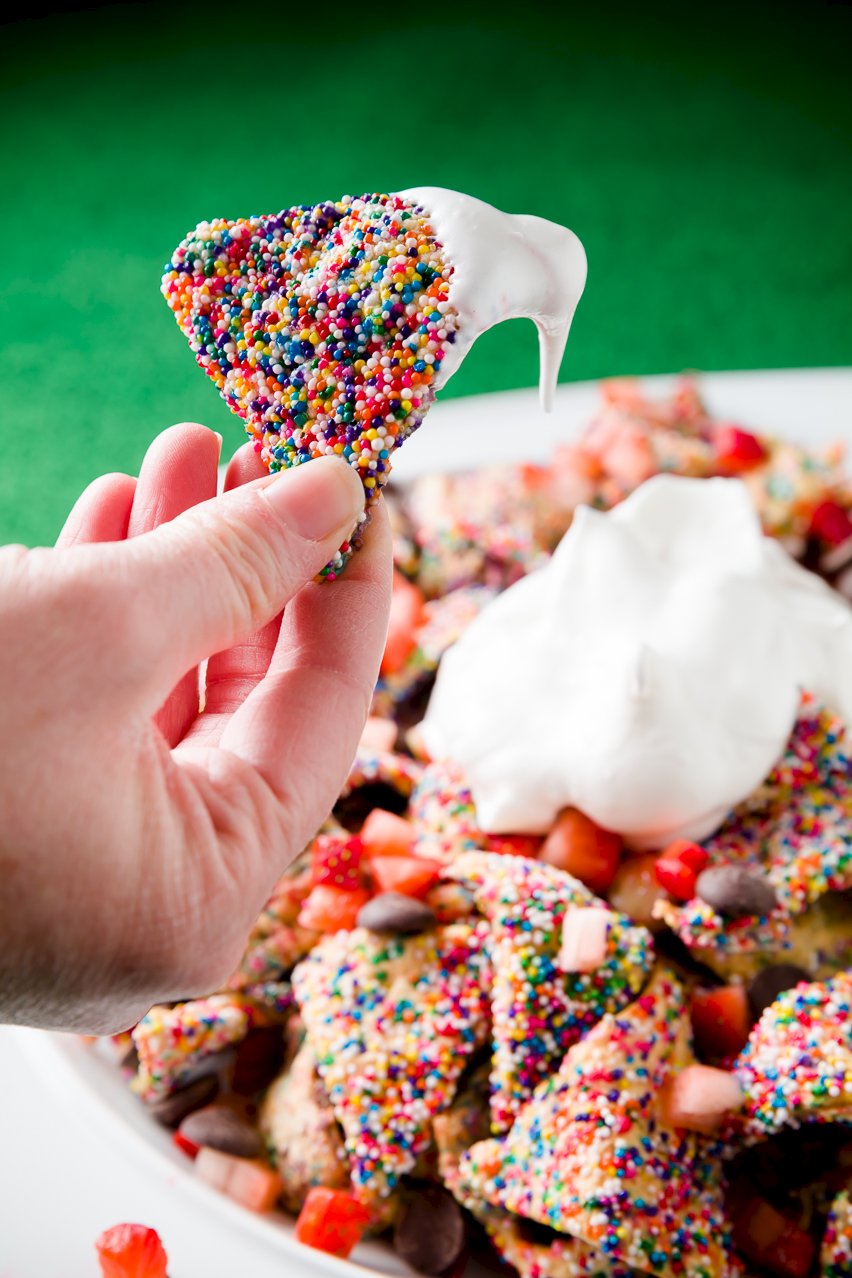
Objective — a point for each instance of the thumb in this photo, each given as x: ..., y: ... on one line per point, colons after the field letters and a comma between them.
x: 224, y: 568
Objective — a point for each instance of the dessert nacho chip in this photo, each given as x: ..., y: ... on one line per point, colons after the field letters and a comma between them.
x: 172, y: 1041
x: 796, y: 829
x: 538, y: 1010
x: 392, y: 1022
x: 444, y: 815
x: 322, y: 326
x: 797, y: 1064
x: 591, y: 1153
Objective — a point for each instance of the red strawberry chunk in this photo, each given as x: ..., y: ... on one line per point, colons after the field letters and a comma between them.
x: 831, y: 523
x: 337, y: 862
x: 679, y: 866
x: 737, y: 450
x: 720, y: 1020
x: 332, y: 909
x: 331, y: 1220
x: 131, y: 1251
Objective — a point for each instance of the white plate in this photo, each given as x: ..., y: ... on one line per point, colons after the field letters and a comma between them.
x: 811, y: 406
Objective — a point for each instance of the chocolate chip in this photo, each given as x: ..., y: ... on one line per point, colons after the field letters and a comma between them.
x: 772, y: 981
x: 173, y: 1109
x: 393, y: 912
x: 430, y: 1231
x: 735, y: 892
x: 222, y: 1129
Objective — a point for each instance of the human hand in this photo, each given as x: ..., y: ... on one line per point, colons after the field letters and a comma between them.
x: 140, y: 835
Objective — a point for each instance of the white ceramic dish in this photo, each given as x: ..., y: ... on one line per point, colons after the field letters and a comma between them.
x: 812, y: 406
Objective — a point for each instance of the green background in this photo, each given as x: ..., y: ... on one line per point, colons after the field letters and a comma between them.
x: 704, y: 159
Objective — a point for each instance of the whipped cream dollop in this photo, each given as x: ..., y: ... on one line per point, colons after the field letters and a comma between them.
x: 506, y: 266
x: 649, y: 674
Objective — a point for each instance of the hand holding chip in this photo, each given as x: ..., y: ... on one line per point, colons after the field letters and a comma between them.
x: 142, y: 833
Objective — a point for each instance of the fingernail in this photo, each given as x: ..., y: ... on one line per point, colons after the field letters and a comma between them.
x: 317, y: 498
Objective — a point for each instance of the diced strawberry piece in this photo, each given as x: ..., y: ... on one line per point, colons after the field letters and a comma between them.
x: 737, y: 450
x: 247, y: 1180
x: 406, y: 611
x: 337, y: 861
x: 831, y: 523
x: 332, y: 909
x: 528, y: 845
x: 409, y: 875
x: 677, y: 879
x: 720, y: 1020
x: 386, y: 834
x: 699, y: 1096
x: 331, y: 1220
x: 691, y: 854
x: 578, y: 846
x: 770, y: 1240
x: 678, y: 867
x: 131, y: 1251
x: 185, y: 1145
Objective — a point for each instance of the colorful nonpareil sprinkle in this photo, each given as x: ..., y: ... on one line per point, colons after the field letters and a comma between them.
x: 836, y: 1254
x: 591, y: 1154
x: 323, y: 326
x: 391, y: 1022
x: 796, y: 829
x: 538, y: 1010
x: 797, y: 1064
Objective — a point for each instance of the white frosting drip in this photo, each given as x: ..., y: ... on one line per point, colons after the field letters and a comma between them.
x: 506, y: 266
x: 650, y: 674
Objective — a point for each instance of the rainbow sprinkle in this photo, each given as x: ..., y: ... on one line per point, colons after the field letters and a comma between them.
x: 591, y: 1156
x: 796, y: 828
x: 323, y: 326
x: 392, y: 1022
x: 538, y: 1010
x: 797, y: 1064
x: 836, y: 1253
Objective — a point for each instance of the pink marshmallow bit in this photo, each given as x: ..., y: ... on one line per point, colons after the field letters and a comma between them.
x: 584, y: 936
x: 699, y: 1097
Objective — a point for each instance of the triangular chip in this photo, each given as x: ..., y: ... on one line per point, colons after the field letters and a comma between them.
x: 392, y: 1021
x: 592, y: 1154
x: 797, y: 1064
x: 796, y: 829
x: 172, y: 1041
x: 539, y: 1011
x: 323, y: 326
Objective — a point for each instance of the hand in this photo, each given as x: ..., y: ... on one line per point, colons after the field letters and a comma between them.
x: 141, y: 835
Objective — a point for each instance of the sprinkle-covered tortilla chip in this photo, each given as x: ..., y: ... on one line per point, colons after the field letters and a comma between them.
x: 392, y: 1021
x: 323, y: 327
x: 171, y: 1041
x: 797, y: 1064
x: 796, y: 829
x: 592, y: 1155
x: 539, y: 1011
